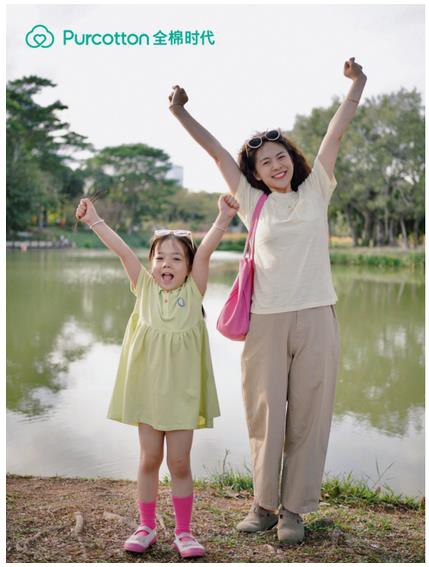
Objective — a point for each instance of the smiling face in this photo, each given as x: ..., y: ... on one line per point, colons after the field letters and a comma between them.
x: 274, y: 167
x: 169, y: 264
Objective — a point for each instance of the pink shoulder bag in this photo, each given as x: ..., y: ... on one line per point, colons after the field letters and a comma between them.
x: 234, y: 319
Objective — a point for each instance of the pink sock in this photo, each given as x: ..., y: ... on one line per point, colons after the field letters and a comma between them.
x: 147, y: 514
x: 183, y: 511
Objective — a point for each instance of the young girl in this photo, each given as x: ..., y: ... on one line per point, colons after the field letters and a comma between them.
x: 165, y: 382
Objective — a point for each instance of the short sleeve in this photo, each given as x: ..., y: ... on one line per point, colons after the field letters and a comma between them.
x: 193, y: 285
x: 144, y: 274
x: 319, y: 181
x: 247, y: 197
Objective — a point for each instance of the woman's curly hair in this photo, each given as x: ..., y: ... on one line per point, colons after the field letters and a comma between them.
x: 246, y: 162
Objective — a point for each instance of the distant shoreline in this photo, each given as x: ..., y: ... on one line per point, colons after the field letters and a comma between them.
x: 382, y: 257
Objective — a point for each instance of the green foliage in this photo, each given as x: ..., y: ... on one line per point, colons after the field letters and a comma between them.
x: 236, y: 245
x: 39, y: 147
x: 380, y: 167
x: 85, y: 238
x: 408, y: 260
x: 133, y: 178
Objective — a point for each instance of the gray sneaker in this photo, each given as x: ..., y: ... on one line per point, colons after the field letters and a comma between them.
x: 257, y: 520
x: 290, y: 528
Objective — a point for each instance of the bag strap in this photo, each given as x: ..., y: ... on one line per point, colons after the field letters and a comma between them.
x: 249, y: 249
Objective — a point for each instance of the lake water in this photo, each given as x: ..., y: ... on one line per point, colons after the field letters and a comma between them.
x: 66, y: 314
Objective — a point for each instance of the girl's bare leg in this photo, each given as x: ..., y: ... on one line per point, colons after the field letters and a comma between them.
x: 179, y: 445
x: 151, y: 454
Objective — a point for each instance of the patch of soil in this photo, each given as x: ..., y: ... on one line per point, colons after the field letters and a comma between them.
x: 63, y: 520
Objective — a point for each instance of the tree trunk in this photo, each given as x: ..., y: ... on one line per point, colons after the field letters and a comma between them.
x: 392, y: 237
x: 404, y: 233
x: 416, y: 232
x: 351, y: 226
x: 378, y: 233
x: 40, y: 218
x: 366, y: 228
x: 386, y: 227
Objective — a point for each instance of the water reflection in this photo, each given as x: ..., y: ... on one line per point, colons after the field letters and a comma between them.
x: 66, y: 314
x: 382, y: 339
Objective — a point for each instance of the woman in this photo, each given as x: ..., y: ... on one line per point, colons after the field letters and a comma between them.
x: 290, y: 356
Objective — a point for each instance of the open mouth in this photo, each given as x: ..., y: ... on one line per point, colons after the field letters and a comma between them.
x: 167, y: 277
x: 280, y: 175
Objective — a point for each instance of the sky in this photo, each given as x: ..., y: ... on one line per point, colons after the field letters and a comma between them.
x: 269, y: 63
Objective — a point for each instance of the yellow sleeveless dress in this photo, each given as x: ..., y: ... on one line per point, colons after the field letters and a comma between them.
x: 165, y: 375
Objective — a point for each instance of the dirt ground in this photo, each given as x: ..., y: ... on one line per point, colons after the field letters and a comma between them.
x: 77, y: 520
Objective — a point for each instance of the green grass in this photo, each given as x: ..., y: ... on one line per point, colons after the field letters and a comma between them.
x: 232, y: 480
x: 84, y: 238
x: 232, y: 245
x: 343, y: 489
x: 348, y: 490
x: 403, y: 260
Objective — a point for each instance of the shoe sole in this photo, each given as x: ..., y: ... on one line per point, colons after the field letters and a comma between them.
x: 136, y: 548
x: 190, y: 553
x: 291, y: 541
x: 256, y: 531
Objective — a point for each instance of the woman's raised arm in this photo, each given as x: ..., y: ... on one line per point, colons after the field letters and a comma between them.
x: 226, y: 163
x: 330, y: 145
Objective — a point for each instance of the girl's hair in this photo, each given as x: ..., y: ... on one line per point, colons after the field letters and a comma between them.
x: 187, y: 245
x: 247, y: 156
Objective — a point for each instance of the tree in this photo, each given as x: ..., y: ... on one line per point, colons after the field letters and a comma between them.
x: 134, y: 175
x: 380, y: 166
x: 40, y: 148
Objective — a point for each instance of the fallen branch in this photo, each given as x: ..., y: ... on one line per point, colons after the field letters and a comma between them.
x: 31, y: 539
x: 161, y: 522
x: 76, y: 532
x: 79, y: 524
x: 117, y: 517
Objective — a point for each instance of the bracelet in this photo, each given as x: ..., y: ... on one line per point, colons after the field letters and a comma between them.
x: 94, y: 223
x: 218, y: 227
x: 353, y: 100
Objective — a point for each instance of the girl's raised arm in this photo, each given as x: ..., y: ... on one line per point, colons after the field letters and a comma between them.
x: 330, y: 145
x: 86, y: 213
x: 227, y: 206
x: 226, y: 163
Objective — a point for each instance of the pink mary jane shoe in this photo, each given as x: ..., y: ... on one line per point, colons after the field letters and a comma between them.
x: 188, y: 546
x: 141, y: 540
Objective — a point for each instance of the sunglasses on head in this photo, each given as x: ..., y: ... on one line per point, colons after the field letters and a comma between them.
x: 257, y: 141
x: 175, y: 232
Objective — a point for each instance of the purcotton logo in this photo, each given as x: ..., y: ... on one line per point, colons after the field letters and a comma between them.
x: 39, y: 36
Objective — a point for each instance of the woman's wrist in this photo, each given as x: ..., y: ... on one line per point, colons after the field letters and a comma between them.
x: 360, y: 79
x: 222, y: 222
x: 176, y: 108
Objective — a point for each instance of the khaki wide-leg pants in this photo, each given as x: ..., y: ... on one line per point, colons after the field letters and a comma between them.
x: 289, y: 367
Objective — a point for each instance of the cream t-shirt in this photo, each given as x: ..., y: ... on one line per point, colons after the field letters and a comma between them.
x: 292, y: 266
